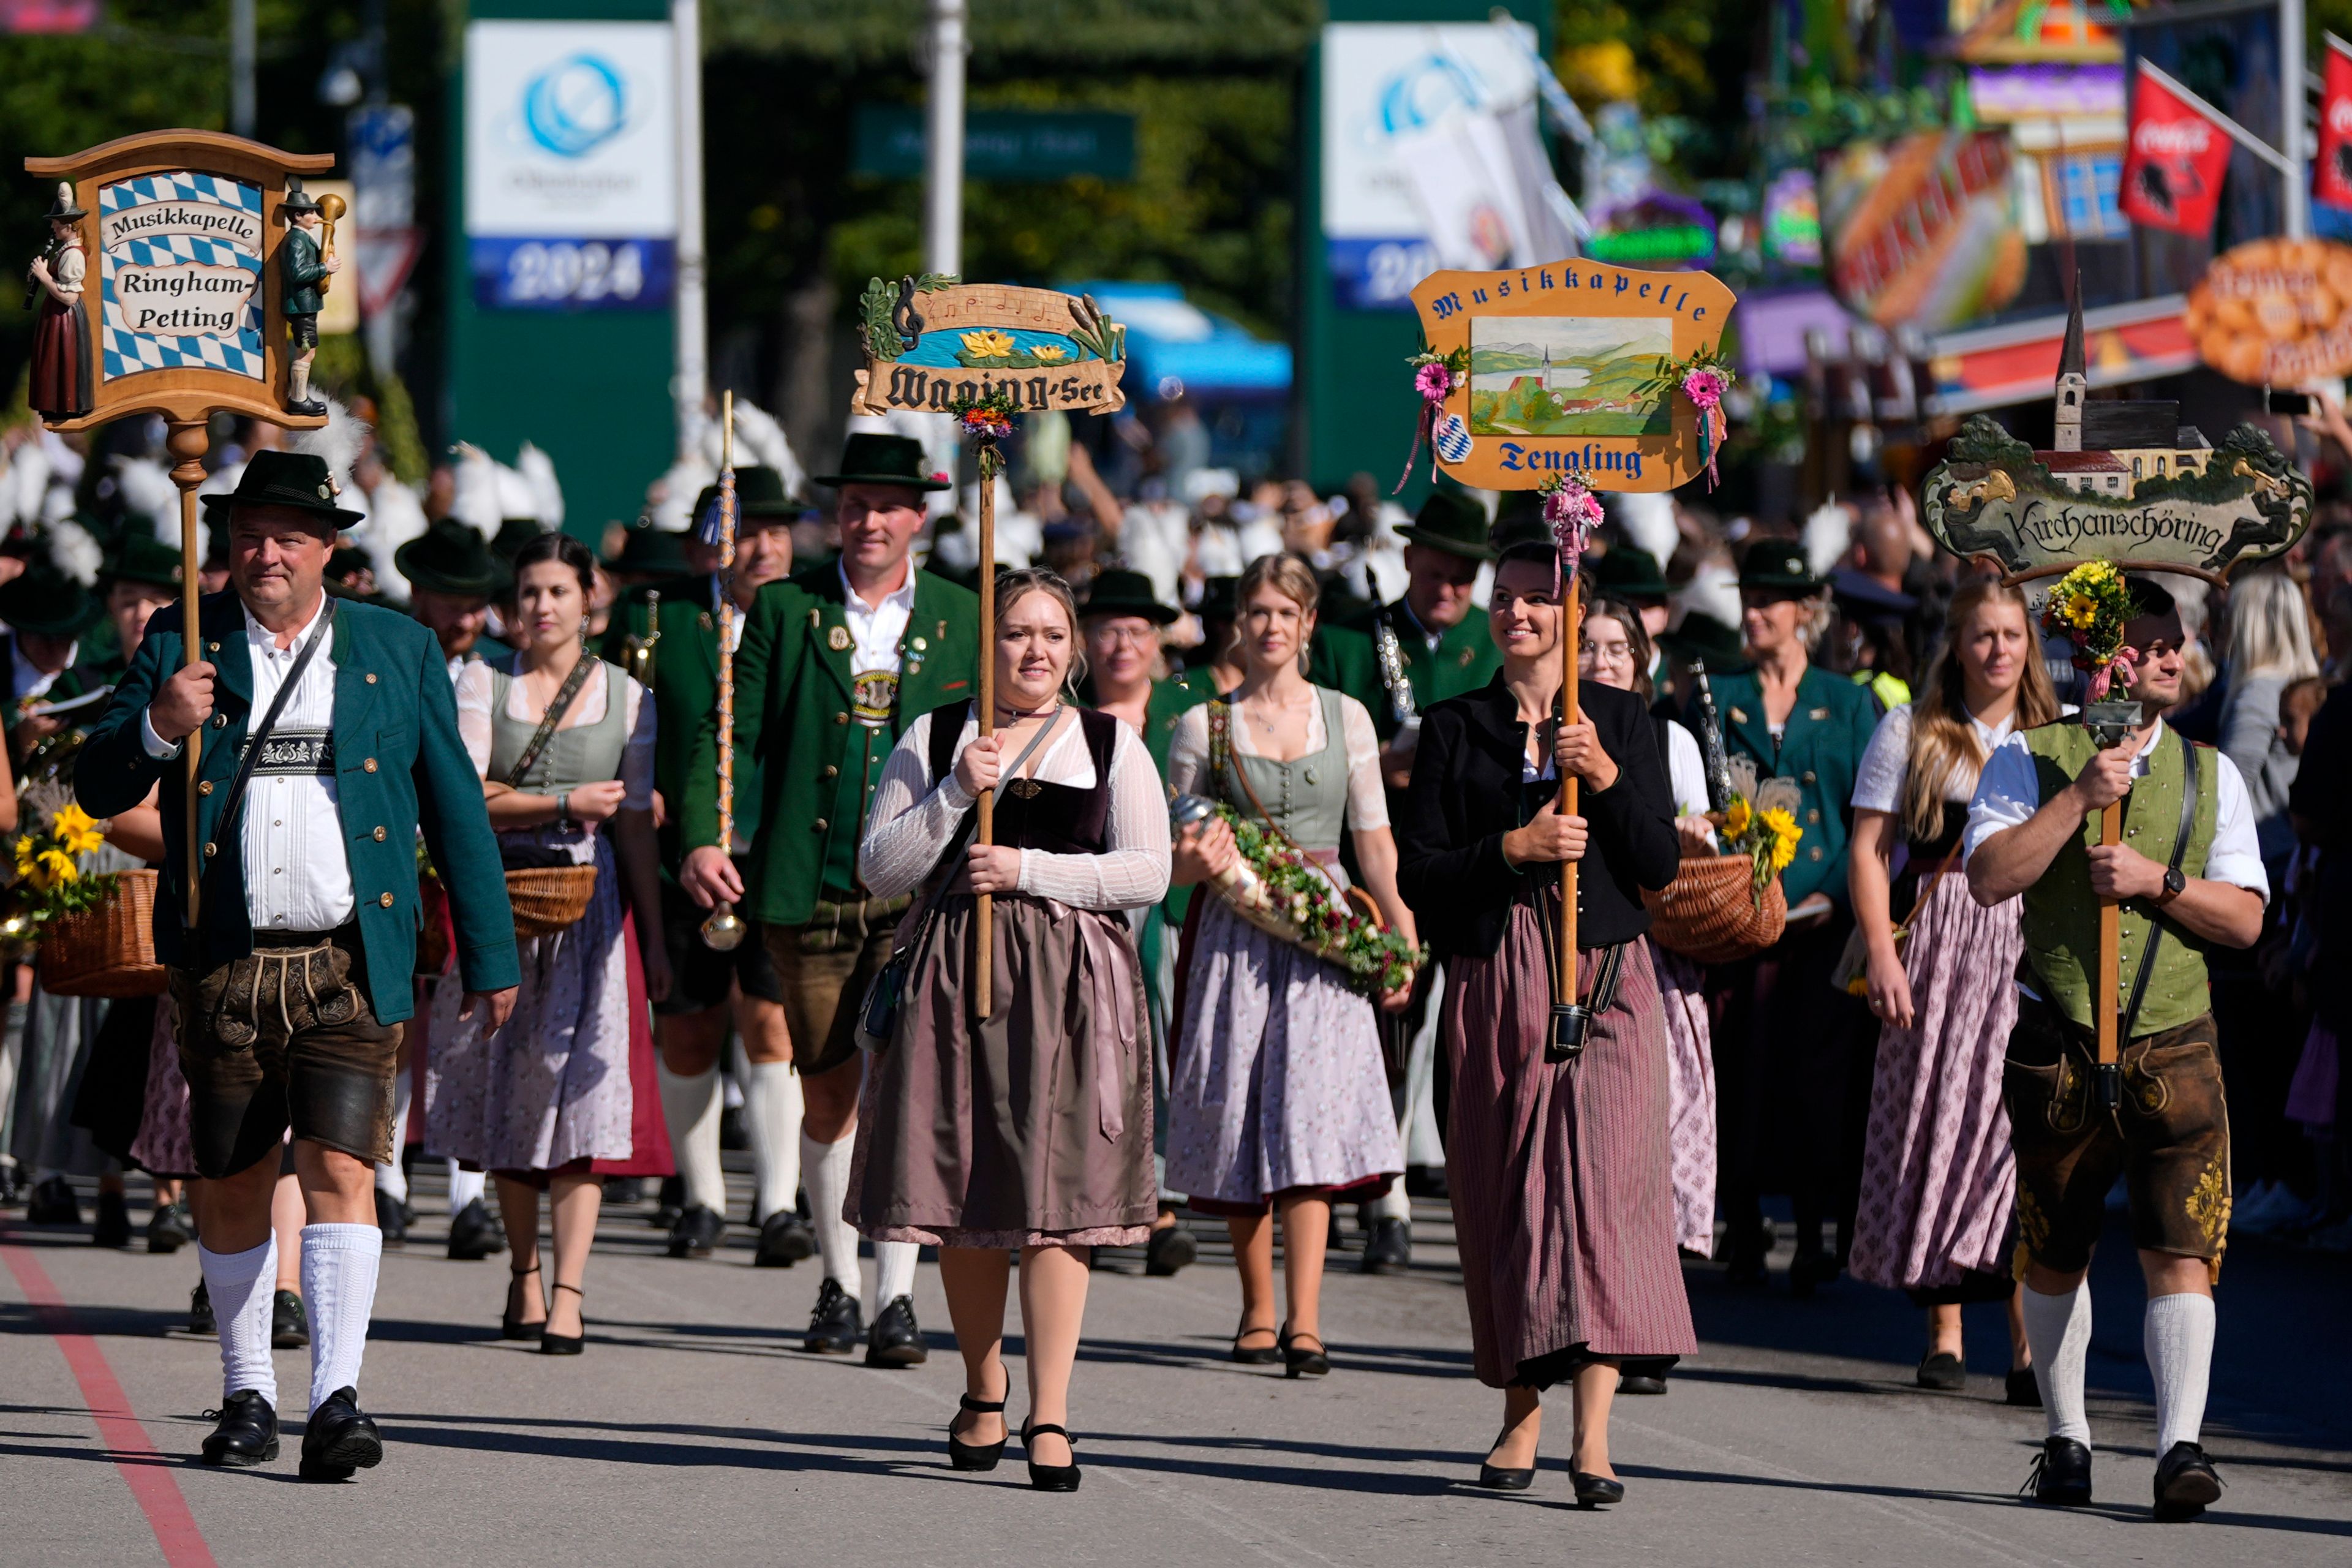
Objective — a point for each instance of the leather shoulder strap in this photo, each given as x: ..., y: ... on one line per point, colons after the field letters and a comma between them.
x: 2156, y: 924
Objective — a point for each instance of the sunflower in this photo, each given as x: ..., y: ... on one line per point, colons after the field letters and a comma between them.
x: 77, y: 829
x: 28, y: 855
x: 59, y: 866
x: 1737, y: 817
x: 987, y: 344
x: 1785, y: 834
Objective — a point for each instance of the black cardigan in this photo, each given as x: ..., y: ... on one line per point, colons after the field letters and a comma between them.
x: 1467, y: 792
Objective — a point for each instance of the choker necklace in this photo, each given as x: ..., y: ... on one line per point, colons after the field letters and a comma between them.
x: 1026, y: 787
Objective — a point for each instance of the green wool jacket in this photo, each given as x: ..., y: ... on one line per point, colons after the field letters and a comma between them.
x: 2060, y: 917
x: 1346, y: 659
x: 686, y: 688
x: 304, y: 267
x: 399, y: 765
x: 1821, y: 750
x: 792, y: 714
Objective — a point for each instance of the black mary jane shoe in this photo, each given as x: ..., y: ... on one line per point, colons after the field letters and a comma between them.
x: 1597, y: 1491
x: 2061, y: 1474
x: 966, y: 1456
x: 1255, y: 1356
x: 511, y: 1323
x: 289, y: 1323
x: 339, y: 1439
x: 1943, y: 1371
x: 245, y: 1433
x: 1297, y: 1360
x: 2184, y: 1482
x: 565, y: 1344
x: 1051, y: 1477
x: 2021, y: 1390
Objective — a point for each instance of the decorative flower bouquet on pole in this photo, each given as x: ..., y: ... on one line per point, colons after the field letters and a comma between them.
x: 2090, y: 608
x: 95, y: 930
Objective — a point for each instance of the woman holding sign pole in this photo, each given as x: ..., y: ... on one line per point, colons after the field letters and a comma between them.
x: 1562, y: 1196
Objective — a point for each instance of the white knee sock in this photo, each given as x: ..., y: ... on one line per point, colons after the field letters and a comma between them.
x: 2179, y: 1336
x: 690, y: 1106
x: 826, y: 1168
x: 392, y: 1176
x: 894, y: 1273
x: 2058, y: 1332
x: 771, y: 1115
x: 339, y: 1270
x: 465, y: 1187
x: 242, y: 1286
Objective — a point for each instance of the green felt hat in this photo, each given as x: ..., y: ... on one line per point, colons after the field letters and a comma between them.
x: 296, y: 480
x: 759, y: 492
x: 1707, y: 640
x: 514, y: 532
x: 1631, y: 573
x: 652, y: 552
x: 1451, y: 521
x: 450, y: 557
x: 143, y: 558
x: 872, y: 459
x: 46, y: 602
x: 1119, y: 591
x: 1778, y: 565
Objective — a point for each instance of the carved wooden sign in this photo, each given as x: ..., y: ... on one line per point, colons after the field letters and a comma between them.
x: 931, y: 343
x: 1573, y: 368
x: 183, y: 304
x: 2200, y: 510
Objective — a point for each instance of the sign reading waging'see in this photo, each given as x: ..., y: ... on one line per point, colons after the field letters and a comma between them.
x: 931, y: 343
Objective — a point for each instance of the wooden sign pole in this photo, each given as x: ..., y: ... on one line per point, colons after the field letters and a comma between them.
x: 2111, y: 831
x: 188, y: 440
x: 1571, y: 629
x: 984, y: 959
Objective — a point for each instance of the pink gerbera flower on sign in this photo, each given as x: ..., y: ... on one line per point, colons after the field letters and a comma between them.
x: 1433, y: 381
x: 1705, y: 388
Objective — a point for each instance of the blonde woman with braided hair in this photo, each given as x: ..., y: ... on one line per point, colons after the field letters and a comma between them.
x: 1937, y: 1178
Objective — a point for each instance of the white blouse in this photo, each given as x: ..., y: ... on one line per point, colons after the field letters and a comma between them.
x: 913, y: 818
x: 1367, y: 799
x: 473, y: 688
x: 1685, y: 770
x: 1879, y: 781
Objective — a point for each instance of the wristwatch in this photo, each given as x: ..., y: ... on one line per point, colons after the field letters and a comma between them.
x: 2175, y: 884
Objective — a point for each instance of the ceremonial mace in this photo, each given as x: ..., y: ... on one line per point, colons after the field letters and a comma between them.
x: 724, y: 929
x: 2110, y: 724
x: 1570, y: 1019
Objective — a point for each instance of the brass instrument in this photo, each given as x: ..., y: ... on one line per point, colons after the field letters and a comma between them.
x: 724, y: 931
x: 331, y: 208
x: 638, y: 652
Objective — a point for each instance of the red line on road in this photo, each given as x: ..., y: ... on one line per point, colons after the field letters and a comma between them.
x: 143, y: 1470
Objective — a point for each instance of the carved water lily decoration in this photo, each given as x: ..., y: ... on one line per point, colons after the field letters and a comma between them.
x: 987, y: 344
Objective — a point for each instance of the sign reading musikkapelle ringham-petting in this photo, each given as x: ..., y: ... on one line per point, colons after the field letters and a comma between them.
x: 1576, y: 368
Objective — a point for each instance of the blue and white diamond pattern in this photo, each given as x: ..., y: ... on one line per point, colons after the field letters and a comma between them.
x: 126, y: 353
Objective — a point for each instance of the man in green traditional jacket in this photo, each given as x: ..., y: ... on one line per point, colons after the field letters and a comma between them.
x: 294, y: 982
x: 668, y: 634
x: 2157, y: 1118
x: 836, y: 663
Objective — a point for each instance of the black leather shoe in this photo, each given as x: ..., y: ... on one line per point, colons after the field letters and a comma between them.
x: 2185, y: 1483
x: 1505, y: 1478
x: 2022, y: 1391
x: 114, y: 1225
x: 966, y: 1456
x: 339, y: 1439
x: 391, y: 1218
x: 1808, y: 1270
x: 2061, y: 1474
x: 1597, y: 1491
x: 837, y: 1325
x: 200, y: 1312
x: 1942, y: 1371
x: 474, y: 1234
x: 1255, y: 1356
x: 245, y: 1431
x: 565, y: 1344
x: 1388, y: 1250
x: 1050, y: 1478
x: 169, y: 1228
x: 510, y: 1322
x: 1300, y: 1359
x: 1169, y: 1249
x: 289, y: 1325
x: 670, y: 1204
x: 1644, y: 1375
x: 53, y: 1203
x: 785, y: 1239
x: 696, y: 1234
x: 895, y: 1340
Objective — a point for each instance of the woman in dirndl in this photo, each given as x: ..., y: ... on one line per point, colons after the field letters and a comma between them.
x: 550, y: 1102
x: 1280, y: 1098
x: 1615, y: 650
x: 1937, y: 1178
x: 1563, y: 1202
x: 1029, y: 1128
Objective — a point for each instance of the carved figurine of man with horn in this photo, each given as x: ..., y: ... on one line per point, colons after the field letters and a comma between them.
x: 305, y: 266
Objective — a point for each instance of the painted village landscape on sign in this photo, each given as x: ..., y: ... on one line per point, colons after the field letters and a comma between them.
x: 1568, y: 375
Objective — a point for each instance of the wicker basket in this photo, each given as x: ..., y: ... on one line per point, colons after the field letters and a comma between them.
x: 109, y: 950
x: 546, y: 899
x: 1709, y: 915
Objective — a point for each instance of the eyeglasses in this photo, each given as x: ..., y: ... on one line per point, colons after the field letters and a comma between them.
x: 1144, y: 636
x: 1606, y: 652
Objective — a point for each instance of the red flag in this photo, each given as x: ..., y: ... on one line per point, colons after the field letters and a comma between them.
x: 2172, y: 169
x: 2332, y: 172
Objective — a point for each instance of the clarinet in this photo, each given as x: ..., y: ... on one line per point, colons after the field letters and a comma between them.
x: 1393, y: 675
x: 1710, y: 741
x: 49, y: 253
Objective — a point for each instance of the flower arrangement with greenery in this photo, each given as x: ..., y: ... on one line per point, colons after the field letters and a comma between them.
x: 2090, y: 608
x: 985, y: 421
x: 1294, y: 900
x: 1759, y: 821
x: 49, y: 880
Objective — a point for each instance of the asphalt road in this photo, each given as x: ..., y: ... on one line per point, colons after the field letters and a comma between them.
x: 694, y: 1430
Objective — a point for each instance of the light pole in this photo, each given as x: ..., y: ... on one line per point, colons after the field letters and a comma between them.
x: 943, y: 143
x: 690, y: 378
